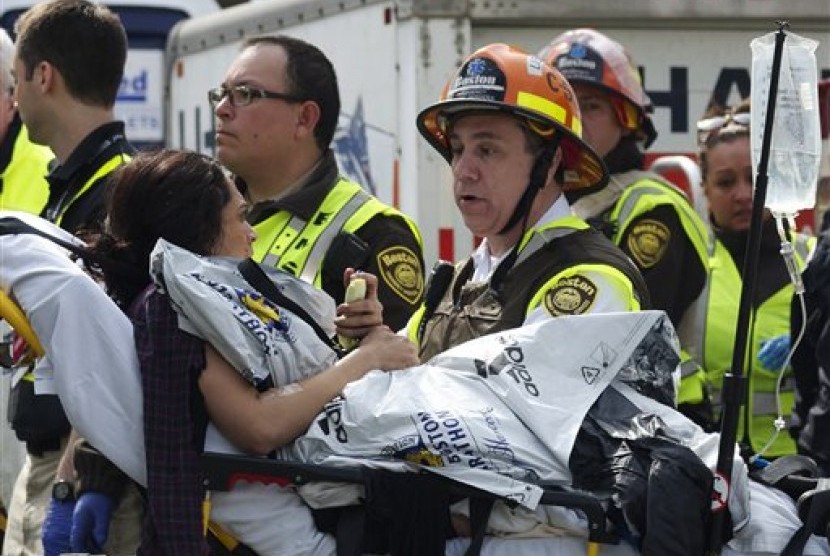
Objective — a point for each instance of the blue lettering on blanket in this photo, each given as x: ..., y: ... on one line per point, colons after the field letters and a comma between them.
x: 263, y: 319
x: 444, y: 433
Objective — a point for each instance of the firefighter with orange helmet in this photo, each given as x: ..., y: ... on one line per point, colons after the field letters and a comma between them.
x: 646, y: 216
x: 510, y: 128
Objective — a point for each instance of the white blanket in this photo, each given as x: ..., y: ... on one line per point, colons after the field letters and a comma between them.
x: 90, y: 357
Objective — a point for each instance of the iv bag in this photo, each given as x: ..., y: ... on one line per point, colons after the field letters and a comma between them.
x: 795, y: 149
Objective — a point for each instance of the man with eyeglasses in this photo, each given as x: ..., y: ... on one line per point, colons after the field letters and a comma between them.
x: 276, y: 114
x: 647, y: 217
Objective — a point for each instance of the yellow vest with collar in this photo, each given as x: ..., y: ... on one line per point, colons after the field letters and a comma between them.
x: 298, y: 246
x: 103, y: 170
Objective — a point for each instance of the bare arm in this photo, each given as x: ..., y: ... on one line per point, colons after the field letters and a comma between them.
x: 260, y: 422
x: 66, y: 465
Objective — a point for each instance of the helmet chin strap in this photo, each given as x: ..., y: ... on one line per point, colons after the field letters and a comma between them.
x: 538, y: 176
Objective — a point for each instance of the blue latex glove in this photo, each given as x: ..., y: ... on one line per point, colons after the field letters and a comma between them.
x: 91, y: 522
x: 57, y: 526
x: 774, y: 352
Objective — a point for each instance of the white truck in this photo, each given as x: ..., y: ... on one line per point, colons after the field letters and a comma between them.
x: 393, y: 57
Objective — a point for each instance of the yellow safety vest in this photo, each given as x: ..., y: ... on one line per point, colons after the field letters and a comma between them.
x: 107, y: 167
x: 711, y: 340
x: 286, y: 241
x: 24, y: 179
x: 645, y: 193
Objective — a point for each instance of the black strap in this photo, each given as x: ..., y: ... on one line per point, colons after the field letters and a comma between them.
x: 480, y: 509
x: 607, y: 228
x: 816, y: 505
x: 439, y: 281
x: 350, y: 533
x: 255, y: 276
x: 536, y: 182
x: 10, y: 225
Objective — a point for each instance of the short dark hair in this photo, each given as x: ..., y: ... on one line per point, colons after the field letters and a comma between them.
x: 86, y: 43
x: 175, y: 195
x: 309, y: 75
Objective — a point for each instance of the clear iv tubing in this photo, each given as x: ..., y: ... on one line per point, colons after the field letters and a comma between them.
x: 788, y: 254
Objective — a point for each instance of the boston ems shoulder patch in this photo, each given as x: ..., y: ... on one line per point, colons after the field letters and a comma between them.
x: 401, y: 270
x: 570, y: 296
x: 648, y: 241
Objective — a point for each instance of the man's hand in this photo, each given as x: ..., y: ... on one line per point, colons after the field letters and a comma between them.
x: 91, y: 522
x: 359, y: 314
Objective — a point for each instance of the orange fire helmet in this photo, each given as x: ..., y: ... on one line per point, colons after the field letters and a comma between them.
x: 503, y: 78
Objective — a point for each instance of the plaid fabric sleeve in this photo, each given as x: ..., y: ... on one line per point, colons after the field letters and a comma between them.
x: 170, y: 362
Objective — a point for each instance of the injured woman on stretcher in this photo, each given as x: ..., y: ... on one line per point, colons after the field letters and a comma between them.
x: 583, y: 401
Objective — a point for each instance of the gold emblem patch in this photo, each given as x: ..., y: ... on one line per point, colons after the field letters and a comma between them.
x: 648, y: 241
x: 400, y: 268
x: 570, y: 296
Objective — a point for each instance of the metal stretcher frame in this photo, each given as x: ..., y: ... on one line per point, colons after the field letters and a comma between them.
x: 222, y: 471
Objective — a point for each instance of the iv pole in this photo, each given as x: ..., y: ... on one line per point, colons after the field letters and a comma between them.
x: 734, y: 382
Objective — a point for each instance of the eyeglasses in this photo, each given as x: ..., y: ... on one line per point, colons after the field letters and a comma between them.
x: 710, y: 127
x: 242, y: 95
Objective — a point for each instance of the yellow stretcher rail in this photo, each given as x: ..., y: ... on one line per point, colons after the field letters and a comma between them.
x: 15, y: 317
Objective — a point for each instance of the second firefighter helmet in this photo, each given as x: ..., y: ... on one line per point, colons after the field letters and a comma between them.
x: 587, y: 56
x: 506, y: 79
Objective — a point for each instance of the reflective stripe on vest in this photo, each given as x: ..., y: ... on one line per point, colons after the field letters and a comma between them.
x: 297, y: 225
x: 711, y: 341
x: 688, y: 368
x: 536, y: 238
x: 661, y: 193
x: 299, y: 246
x: 533, y: 240
x: 692, y: 330
x: 102, y: 171
x: 763, y: 403
x: 552, y: 231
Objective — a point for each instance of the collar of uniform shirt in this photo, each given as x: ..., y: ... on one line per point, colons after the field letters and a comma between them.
x: 485, y: 263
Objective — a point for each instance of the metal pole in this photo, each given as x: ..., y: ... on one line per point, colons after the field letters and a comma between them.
x: 734, y: 382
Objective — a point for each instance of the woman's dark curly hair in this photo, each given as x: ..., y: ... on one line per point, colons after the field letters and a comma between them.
x: 174, y: 195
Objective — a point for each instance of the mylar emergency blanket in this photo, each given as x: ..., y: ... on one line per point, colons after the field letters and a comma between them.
x: 90, y: 359
x: 259, y: 339
x: 507, y: 405
x: 503, y: 405
x: 500, y: 412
